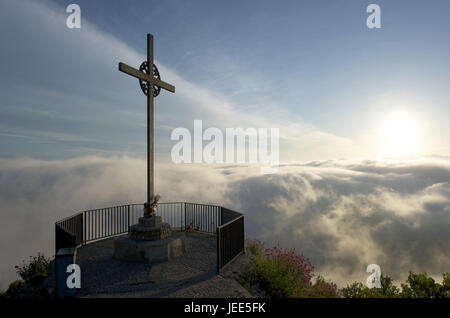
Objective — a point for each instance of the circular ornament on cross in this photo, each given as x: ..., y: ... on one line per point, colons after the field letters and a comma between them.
x: 144, y: 84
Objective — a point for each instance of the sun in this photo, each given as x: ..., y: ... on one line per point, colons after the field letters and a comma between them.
x: 399, y: 133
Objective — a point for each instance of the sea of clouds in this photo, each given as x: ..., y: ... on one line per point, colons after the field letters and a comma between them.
x: 341, y: 214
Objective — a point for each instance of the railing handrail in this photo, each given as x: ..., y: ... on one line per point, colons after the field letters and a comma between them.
x: 203, y: 204
x: 180, y: 202
x: 110, y: 207
x: 136, y: 204
x: 65, y: 230
x: 69, y: 217
x: 140, y: 204
x: 231, y: 221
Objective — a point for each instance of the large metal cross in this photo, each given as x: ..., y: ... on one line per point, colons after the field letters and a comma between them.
x: 151, y: 85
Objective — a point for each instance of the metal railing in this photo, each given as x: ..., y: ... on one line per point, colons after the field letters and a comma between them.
x: 107, y: 222
x: 230, y: 241
x: 202, y: 217
x: 69, y: 232
x: 93, y: 225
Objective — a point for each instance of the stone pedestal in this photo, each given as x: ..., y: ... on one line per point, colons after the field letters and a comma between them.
x: 150, y: 229
x: 150, y: 241
x: 164, y: 250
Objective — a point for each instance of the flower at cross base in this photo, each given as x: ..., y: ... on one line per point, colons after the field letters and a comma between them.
x: 150, y: 207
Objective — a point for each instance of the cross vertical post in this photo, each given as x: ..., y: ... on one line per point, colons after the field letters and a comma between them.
x: 150, y: 122
x: 151, y: 84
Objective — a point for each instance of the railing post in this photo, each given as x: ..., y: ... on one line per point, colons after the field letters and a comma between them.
x: 56, y: 239
x: 219, y: 251
x: 185, y: 224
x: 84, y: 228
x: 129, y: 220
x: 243, y: 233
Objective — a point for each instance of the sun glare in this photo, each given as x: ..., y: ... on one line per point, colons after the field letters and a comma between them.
x: 399, y: 135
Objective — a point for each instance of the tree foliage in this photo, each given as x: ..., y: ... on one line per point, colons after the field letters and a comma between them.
x: 35, y: 271
x: 416, y: 286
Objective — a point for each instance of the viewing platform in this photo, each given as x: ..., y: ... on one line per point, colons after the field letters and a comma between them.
x: 213, y: 237
x: 194, y: 274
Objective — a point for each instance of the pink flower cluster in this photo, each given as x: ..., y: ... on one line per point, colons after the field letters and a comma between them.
x: 280, y: 265
x: 299, y: 266
x: 257, y: 243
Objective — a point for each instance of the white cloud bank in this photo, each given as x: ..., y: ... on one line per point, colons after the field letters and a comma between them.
x: 343, y: 215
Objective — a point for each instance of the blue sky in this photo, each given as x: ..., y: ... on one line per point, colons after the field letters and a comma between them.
x: 315, y: 58
x: 309, y: 64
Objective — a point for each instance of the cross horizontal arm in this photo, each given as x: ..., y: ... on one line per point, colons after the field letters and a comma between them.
x: 145, y: 77
x: 133, y: 72
x: 164, y: 85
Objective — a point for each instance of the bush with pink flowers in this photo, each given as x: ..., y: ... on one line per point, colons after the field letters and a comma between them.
x: 281, y: 273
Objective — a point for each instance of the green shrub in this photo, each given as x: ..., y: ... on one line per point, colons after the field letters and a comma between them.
x: 323, y: 289
x: 254, y: 247
x: 15, y: 288
x: 358, y: 290
x: 35, y: 271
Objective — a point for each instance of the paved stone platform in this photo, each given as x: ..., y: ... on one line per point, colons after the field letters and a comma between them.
x: 191, y: 275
